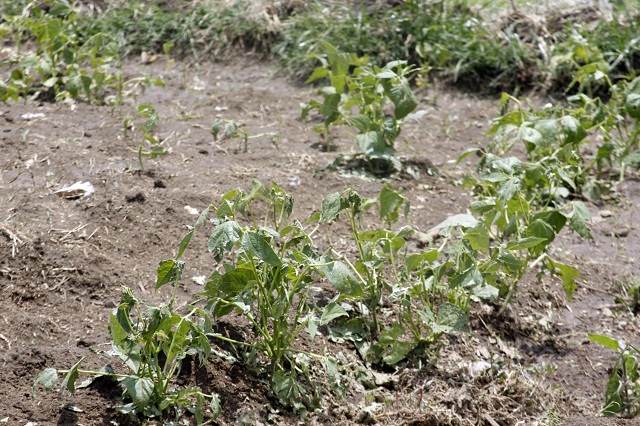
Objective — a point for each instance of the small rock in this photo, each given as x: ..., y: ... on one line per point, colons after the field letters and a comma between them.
x: 137, y: 198
x: 605, y: 213
x: 620, y: 233
x: 477, y: 368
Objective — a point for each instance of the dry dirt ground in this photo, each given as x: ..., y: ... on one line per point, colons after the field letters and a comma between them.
x: 63, y: 262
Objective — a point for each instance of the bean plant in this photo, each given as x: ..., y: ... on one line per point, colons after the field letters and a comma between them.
x: 264, y: 271
x: 372, y: 100
x: 150, y: 146
x: 558, y: 140
x: 152, y: 341
x: 232, y: 130
x: 622, y: 395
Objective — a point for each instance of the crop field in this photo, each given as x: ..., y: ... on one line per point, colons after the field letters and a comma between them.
x: 227, y: 212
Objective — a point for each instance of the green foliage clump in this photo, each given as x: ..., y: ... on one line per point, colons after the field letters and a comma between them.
x: 54, y: 59
x: 361, y: 98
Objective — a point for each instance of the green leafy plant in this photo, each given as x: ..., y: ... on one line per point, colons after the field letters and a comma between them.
x: 622, y: 395
x: 65, y: 63
x: 150, y: 146
x: 264, y: 273
x: 360, y: 98
x: 232, y: 130
x: 557, y: 140
x: 517, y: 222
x: 152, y: 342
x: 384, y: 274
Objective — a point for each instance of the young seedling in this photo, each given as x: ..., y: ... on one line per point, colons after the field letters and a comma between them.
x: 231, y: 130
x: 150, y: 146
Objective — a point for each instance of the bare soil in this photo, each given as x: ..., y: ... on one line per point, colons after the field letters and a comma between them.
x: 63, y: 261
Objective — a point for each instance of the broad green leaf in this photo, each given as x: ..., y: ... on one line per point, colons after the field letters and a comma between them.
x: 524, y: 243
x: 341, y: 277
x: 485, y: 293
x: 328, y: 48
x: 50, y: 82
x: 360, y: 122
x: 511, y: 263
x: 185, y: 241
x: 230, y: 284
x: 390, y: 335
x: 508, y: 189
x: 414, y: 260
x: 495, y: 177
x: 404, y: 100
x: 169, y: 271
x: 463, y: 220
x: 223, y: 237
x: 215, y: 406
x: 470, y: 277
x: 178, y: 337
x: 605, y: 341
x: 478, y: 237
x: 390, y: 201
x: 258, y: 245
x: 338, y: 82
x: 47, y: 378
x: 330, y: 105
x: 568, y: 274
x: 70, y: 378
x: 339, y: 63
x: 577, y: 218
x: 548, y: 130
x: 386, y: 74
x: 450, y: 319
x: 530, y: 135
x: 60, y: 9
x: 371, y: 143
x: 330, y: 312
x: 331, y: 367
x: 534, y: 173
x: 633, y: 105
x: 317, y: 74
x: 397, y: 351
x: 331, y: 206
x: 426, y: 316
x: 573, y: 130
x: 287, y: 390
x: 118, y: 332
x: 86, y: 84
x: 140, y: 389
x: 553, y: 218
x: 483, y: 206
x: 467, y: 153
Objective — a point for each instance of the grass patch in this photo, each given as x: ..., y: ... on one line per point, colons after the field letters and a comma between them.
x: 467, y: 43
